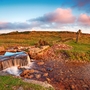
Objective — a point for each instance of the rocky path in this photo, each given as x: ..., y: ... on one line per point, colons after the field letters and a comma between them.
x: 70, y: 76
x: 61, y: 74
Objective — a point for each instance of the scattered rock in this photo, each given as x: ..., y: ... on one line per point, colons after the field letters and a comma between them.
x: 45, y: 74
x: 40, y: 63
x: 14, y: 88
x: 44, y: 84
x: 85, y: 86
x: 31, y: 76
x: 31, y: 71
x: 49, y: 69
x: 24, y: 73
x: 43, y: 69
x: 36, y: 52
x: 37, y: 76
x: 48, y: 79
x: 20, y: 88
x: 26, y: 76
x: 2, y: 48
x: 72, y: 86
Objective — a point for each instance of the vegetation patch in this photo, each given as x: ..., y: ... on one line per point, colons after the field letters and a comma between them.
x: 12, y: 83
x: 80, y: 50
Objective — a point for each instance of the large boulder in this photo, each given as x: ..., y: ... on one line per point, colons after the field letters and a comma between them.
x: 2, y: 50
x: 37, y: 53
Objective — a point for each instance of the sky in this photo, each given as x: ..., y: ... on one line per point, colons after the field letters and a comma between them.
x: 44, y: 15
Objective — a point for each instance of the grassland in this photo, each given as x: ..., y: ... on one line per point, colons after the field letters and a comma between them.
x: 12, y: 83
x: 80, y: 50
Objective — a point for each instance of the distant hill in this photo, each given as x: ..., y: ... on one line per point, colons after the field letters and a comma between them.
x: 32, y: 37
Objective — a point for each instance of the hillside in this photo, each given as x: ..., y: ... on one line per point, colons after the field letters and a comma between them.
x: 30, y: 38
x: 65, y: 64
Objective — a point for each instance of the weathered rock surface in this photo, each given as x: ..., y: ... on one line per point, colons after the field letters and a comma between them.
x: 37, y: 53
x: 44, y: 84
x: 2, y: 48
x: 40, y: 63
x: 62, y: 74
x: 17, y: 59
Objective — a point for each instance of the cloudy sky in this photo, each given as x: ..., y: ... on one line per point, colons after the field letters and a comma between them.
x: 51, y: 15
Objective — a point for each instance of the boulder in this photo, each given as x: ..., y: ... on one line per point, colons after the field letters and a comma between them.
x: 37, y: 53
x: 27, y: 72
x: 2, y: 48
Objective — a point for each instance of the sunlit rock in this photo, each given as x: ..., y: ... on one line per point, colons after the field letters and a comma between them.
x: 14, y: 59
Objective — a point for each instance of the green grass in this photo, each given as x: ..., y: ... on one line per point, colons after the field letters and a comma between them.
x: 28, y: 39
x: 12, y: 83
x: 80, y: 50
x: 79, y: 47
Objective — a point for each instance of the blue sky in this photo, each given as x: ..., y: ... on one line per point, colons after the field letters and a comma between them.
x: 52, y: 15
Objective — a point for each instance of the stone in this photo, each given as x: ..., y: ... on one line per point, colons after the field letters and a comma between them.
x: 49, y: 69
x: 37, y: 76
x: 72, y: 86
x: 2, y: 48
x: 36, y: 52
x: 43, y: 69
x: 31, y: 71
x: 48, y: 79
x: 24, y: 73
x: 31, y: 76
x: 40, y: 63
x: 20, y: 88
x: 45, y: 74
x: 85, y: 86
x: 26, y: 76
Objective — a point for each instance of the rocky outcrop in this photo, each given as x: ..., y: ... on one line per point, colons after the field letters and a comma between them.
x: 37, y: 53
x: 2, y: 50
x: 17, y: 59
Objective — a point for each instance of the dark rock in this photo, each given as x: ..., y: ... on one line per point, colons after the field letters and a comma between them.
x: 49, y: 69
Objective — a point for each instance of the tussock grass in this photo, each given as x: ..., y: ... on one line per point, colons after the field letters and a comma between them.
x: 31, y: 38
x: 12, y: 83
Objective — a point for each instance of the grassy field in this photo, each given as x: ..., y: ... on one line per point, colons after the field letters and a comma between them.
x: 80, y: 50
x: 12, y: 83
